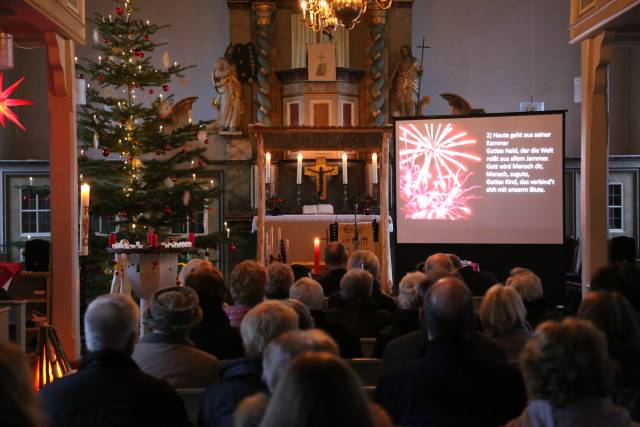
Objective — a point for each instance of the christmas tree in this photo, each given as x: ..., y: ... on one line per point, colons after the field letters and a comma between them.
x: 140, y: 153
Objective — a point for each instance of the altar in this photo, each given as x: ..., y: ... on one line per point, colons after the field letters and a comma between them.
x: 299, y: 231
x: 311, y: 166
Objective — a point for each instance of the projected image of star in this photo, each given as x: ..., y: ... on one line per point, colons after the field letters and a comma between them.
x: 433, y: 172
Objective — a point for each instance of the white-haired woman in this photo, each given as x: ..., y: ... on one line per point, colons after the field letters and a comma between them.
x: 503, y: 318
x: 529, y: 287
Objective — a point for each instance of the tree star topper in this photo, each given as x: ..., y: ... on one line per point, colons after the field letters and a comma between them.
x: 5, y: 103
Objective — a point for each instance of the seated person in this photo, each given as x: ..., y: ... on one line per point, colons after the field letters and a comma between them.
x: 167, y: 352
x: 453, y: 384
x: 503, y: 318
x: 439, y: 261
x: 568, y: 376
x: 18, y: 405
x: 620, y: 277
x: 309, y: 292
x: 529, y: 287
x: 335, y: 258
x: 243, y: 377
x: 279, y: 280
x: 109, y: 389
x: 368, y: 261
x: 214, y: 334
x: 247, y: 286
x: 356, y: 311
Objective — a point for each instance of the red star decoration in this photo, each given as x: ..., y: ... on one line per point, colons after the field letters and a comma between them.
x: 5, y: 103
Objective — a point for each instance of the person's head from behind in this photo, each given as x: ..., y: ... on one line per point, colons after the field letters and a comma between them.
x: 318, y: 389
x: 209, y: 285
x: 613, y: 315
x: 18, y: 403
x: 408, y: 287
x: 456, y: 261
x: 517, y: 270
x: 527, y: 284
x: 279, y: 280
x: 438, y: 261
x: 287, y: 346
x: 356, y: 284
x: 111, y: 323
x: 173, y: 311
x: 264, y: 322
x: 335, y: 255
x: 502, y: 311
x: 247, y: 283
x: 309, y: 292
x: 565, y: 362
x: 365, y: 260
x: 448, y: 308
x: 623, y: 278
x: 305, y: 319
x: 195, y: 265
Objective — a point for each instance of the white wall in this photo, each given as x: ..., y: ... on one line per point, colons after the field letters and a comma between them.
x: 198, y: 35
x: 480, y: 49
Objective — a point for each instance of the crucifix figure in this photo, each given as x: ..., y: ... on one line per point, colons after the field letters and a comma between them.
x: 321, y: 171
x: 322, y: 66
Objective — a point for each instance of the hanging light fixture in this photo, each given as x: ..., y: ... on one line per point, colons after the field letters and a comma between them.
x: 51, y: 362
x: 328, y: 14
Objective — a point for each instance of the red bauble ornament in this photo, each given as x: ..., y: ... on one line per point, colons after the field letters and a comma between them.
x: 100, y: 78
x: 232, y: 247
x: 146, y: 36
x: 157, y: 153
x: 105, y: 152
x: 206, y: 141
x: 140, y: 54
x: 105, y: 40
x: 168, y: 210
x: 150, y: 91
x: 165, y: 88
x: 119, y: 10
x: 200, y: 163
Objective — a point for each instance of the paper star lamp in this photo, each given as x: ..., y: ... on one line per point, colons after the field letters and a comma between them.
x: 6, y: 102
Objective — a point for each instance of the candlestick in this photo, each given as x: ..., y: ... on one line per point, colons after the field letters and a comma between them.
x: 279, y: 234
x: 345, y: 179
x: 299, y: 170
x: 316, y: 256
x: 374, y: 168
x: 299, y: 199
x: 345, y: 200
x: 85, y: 191
x: 267, y: 170
x: 271, y: 241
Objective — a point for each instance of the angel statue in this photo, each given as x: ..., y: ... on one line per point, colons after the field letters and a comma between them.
x: 405, y: 82
x: 229, y: 100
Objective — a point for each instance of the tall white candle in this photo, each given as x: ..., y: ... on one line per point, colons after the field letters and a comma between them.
x: 267, y: 169
x: 299, y: 170
x: 279, y: 235
x: 85, y: 191
x: 271, y: 241
x: 345, y: 179
x: 374, y: 168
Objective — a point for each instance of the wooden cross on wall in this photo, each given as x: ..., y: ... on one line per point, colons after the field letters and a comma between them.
x: 321, y: 171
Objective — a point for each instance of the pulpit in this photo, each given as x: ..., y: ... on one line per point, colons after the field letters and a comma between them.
x: 324, y: 155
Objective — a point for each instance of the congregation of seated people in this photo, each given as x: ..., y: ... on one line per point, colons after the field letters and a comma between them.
x: 271, y: 346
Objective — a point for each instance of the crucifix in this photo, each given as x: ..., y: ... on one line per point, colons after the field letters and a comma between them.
x: 321, y: 171
x: 422, y: 48
x: 322, y: 66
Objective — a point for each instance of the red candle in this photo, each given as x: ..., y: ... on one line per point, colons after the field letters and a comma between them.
x: 316, y: 256
x: 192, y: 239
x: 152, y: 239
x: 149, y: 238
x: 112, y: 239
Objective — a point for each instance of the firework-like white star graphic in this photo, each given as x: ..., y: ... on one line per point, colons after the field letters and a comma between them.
x: 433, y: 172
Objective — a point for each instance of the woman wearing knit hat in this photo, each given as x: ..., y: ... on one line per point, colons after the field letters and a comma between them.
x: 167, y: 352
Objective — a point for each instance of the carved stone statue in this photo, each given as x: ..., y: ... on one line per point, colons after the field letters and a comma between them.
x: 405, y: 83
x: 229, y: 88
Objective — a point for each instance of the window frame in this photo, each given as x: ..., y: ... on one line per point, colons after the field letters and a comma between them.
x: 620, y: 207
x: 37, y: 211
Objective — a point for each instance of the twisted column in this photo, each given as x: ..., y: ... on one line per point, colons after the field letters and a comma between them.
x: 377, y: 105
x: 263, y: 14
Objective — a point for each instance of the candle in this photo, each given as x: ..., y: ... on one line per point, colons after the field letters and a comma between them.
x: 374, y: 168
x: 228, y: 233
x: 154, y: 240
x: 345, y: 179
x: 192, y: 239
x: 279, y: 234
x: 316, y: 256
x: 112, y: 239
x: 299, y: 170
x: 267, y: 169
x: 85, y: 191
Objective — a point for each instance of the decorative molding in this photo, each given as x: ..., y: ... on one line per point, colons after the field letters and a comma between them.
x: 263, y: 12
x: 376, y: 71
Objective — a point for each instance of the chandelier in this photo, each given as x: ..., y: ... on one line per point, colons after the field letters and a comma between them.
x: 328, y: 14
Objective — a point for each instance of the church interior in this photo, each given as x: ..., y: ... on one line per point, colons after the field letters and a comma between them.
x: 423, y: 183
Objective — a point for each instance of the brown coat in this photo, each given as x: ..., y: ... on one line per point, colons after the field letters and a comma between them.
x: 175, y: 360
